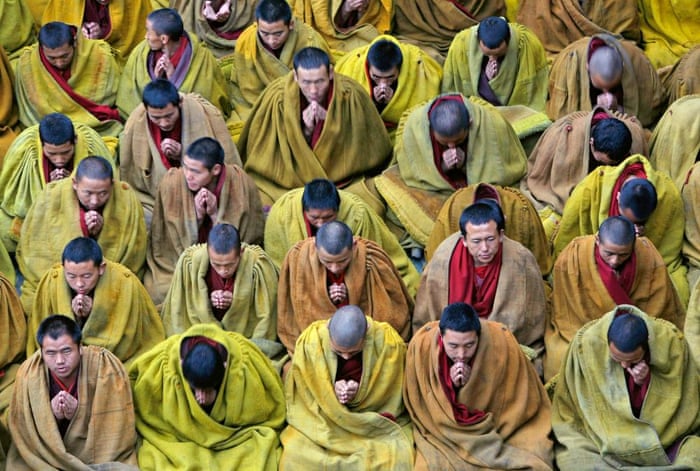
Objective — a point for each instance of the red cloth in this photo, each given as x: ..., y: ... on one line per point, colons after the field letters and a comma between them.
x: 618, y: 283
x: 638, y: 392
x: 456, y: 178
x: 462, y: 414
x: 633, y: 170
x: 50, y: 167
x: 463, y: 285
x: 350, y: 369
x: 98, y: 13
x: 159, y: 135
x: 215, y: 283
x: 229, y: 35
x: 206, y: 225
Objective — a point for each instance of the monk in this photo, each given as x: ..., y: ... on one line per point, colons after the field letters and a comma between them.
x: 397, y: 76
x: 595, y: 273
x: 9, y: 115
x: 503, y: 63
x: 442, y: 146
x: 90, y: 204
x: 344, y: 404
x: 65, y: 73
x: 43, y: 153
x: 475, y: 400
x: 106, y: 300
x: 169, y: 52
x: 71, y: 406
x: 680, y: 79
x: 301, y: 212
x: 157, y: 133
x: 651, y: 201
x: 312, y: 117
x: 224, y: 282
x: 690, y: 192
x: 482, y: 267
x: 669, y: 30
x: 229, y: 399
x: 265, y: 51
x: 602, y: 70
x: 335, y: 269
x: 641, y: 407
x: 19, y: 28
x: 118, y: 22
x: 190, y: 201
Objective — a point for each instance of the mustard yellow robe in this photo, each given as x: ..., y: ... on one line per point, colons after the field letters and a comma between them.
x: 682, y: 78
x: 669, y: 29
x: 18, y: 25
x: 690, y: 193
x: 8, y: 105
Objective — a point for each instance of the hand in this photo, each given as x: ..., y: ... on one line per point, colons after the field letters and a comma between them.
x: 64, y: 406
x: 639, y: 372
x: 350, y: 6
x: 453, y: 158
x: 491, y: 68
x: 221, y: 299
x: 338, y: 292
x: 382, y: 93
x: 346, y: 391
x: 164, y: 68
x: 460, y: 373
x: 81, y: 305
x: 205, y: 204
x: 58, y: 174
x: 92, y: 30
x: 94, y: 222
x: 224, y: 11
x: 607, y: 100
x: 311, y: 115
x: 171, y: 148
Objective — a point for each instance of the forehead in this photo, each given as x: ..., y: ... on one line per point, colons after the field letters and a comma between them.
x: 58, y: 51
x: 460, y: 338
x: 191, y: 163
x: 63, y: 340
x: 319, y: 212
x: 312, y: 74
x: 394, y: 71
x: 634, y: 355
x: 68, y: 145
x: 614, y: 248
x: 272, y: 27
x: 169, y: 109
x: 93, y: 183
x: 326, y: 257
x: 75, y: 267
x: 488, y: 228
x: 223, y: 258
x: 353, y: 349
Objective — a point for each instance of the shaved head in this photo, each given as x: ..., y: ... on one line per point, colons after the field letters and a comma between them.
x: 348, y: 326
x: 606, y: 63
x: 617, y: 230
x: 448, y: 116
x: 334, y: 237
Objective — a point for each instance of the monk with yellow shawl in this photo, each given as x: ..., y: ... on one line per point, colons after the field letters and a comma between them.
x: 91, y: 204
x: 9, y: 115
x: 397, y: 76
x: 41, y: 154
x: 119, y: 22
x: 175, y: 56
x: 595, y: 273
x: 345, y: 409
x: 329, y: 129
x: 654, y: 205
x: 691, y: 329
x: 19, y: 30
x: 690, y: 192
x: 224, y: 282
x: 475, y: 400
x: 670, y: 28
x: 72, y: 406
x: 627, y: 396
x: 301, y: 212
x: 442, y: 146
x: 207, y: 399
x: 105, y: 299
x: 602, y: 70
x: 65, y: 73
x: 503, y: 63
x: 681, y: 79
x: 335, y: 269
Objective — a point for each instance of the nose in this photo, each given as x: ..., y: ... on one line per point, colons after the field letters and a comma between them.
x: 345, y: 356
x: 199, y: 396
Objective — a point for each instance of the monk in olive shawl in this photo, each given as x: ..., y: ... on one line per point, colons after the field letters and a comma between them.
x: 682, y: 78
x: 241, y: 430
x: 9, y: 115
x: 18, y: 22
x: 670, y: 28
x: 690, y: 192
x: 592, y: 417
x: 691, y: 329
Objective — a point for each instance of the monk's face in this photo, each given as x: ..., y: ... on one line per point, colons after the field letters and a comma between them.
x: 639, y: 224
x: 60, y: 57
x: 336, y: 264
x: 384, y: 78
x: 274, y: 34
x: 155, y: 41
x: 314, y: 83
x: 626, y: 360
x: 225, y: 265
x: 496, y: 52
x: 318, y: 217
x: 614, y: 255
x: 165, y: 118
x: 197, y: 175
x: 62, y: 357
x: 82, y: 277
x: 92, y: 193
x: 59, y: 155
x: 451, y: 141
x: 347, y: 352
x: 483, y: 241
x: 460, y: 347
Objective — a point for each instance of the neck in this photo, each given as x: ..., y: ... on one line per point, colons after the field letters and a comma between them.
x: 170, y: 48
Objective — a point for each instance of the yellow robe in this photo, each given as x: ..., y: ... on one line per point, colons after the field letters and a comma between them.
x: 54, y: 220
x: 13, y: 335
x: 95, y: 75
x: 690, y: 192
x: 7, y: 269
x: 682, y: 79
x: 203, y: 76
x: 591, y: 414
x: 8, y: 105
x: 285, y: 226
x: 280, y: 159
x: 589, y: 206
x: 522, y: 75
x: 123, y: 319
x: 669, y: 29
x: 18, y: 22
x: 22, y: 175
x: 325, y: 434
x: 253, y: 311
x: 691, y: 329
x: 419, y: 78
x: 241, y: 432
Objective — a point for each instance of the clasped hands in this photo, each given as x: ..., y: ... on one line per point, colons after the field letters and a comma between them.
x: 639, y: 372
x: 63, y: 405
x: 338, y: 292
x: 383, y: 93
x: 453, y: 158
x: 205, y: 204
x: 171, y: 148
x: 219, y: 15
x: 311, y: 115
x: 94, y: 222
x: 81, y: 305
x: 460, y: 373
x: 221, y: 298
x: 345, y: 391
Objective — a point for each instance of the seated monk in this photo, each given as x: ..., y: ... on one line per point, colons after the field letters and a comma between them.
x: 13, y: 342
x: 482, y: 267
x: 190, y: 201
x: 265, y: 51
x: 344, y: 404
x: 119, y: 22
x: 502, y: 63
x: 19, y: 30
x: 301, y: 212
x: 442, y: 146
x: 90, y: 204
x: 224, y: 282
x: 398, y: 76
x: 229, y: 400
x: 523, y: 223
x: 595, y: 273
x: 603, y: 71
x: 670, y: 28
x: 169, y: 52
x: 158, y: 131
x: 681, y: 79
x: 312, y: 116
x: 7, y: 268
x: 65, y: 73
x: 649, y: 200
x: 43, y: 153
x: 475, y: 400
x: 627, y: 396
x: 71, y: 406
x: 690, y: 192
x: 9, y: 122
x: 335, y: 269
x: 105, y: 299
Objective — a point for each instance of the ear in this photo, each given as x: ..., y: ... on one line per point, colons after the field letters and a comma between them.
x: 216, y: 169
x: 296, y: 78
x: 103, y: 267
x: 291, y: 24
x: 75, y: 184
x: 330, y: 72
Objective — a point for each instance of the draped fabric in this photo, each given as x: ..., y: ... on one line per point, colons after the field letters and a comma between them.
x: 670, y: 28
x: 13, y: 335
x: 23, y: 32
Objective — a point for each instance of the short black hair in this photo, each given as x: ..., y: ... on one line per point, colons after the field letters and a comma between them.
x: 460, y: 317
x: 639, y: 196
x: 613, y: 137
x: 82, y: 249
x: 223, y: 238
x: 160, y: 93
x: 206, y: 150
x: 56, y: 34
x: 320, y: 193
x: 94, y: 167
x: 203, y: 367
x: 334, y: 237
x: 617, y: 230
x: 492, y: 31
x: 272, y: 11
x: 167, y: 21
x: 56, y: 129
x: 448, y: 116
x: 57, y: 325
x: 385, y: 55
x: 482, y: 212
x: 312, y: 58
x: 628, y: 332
